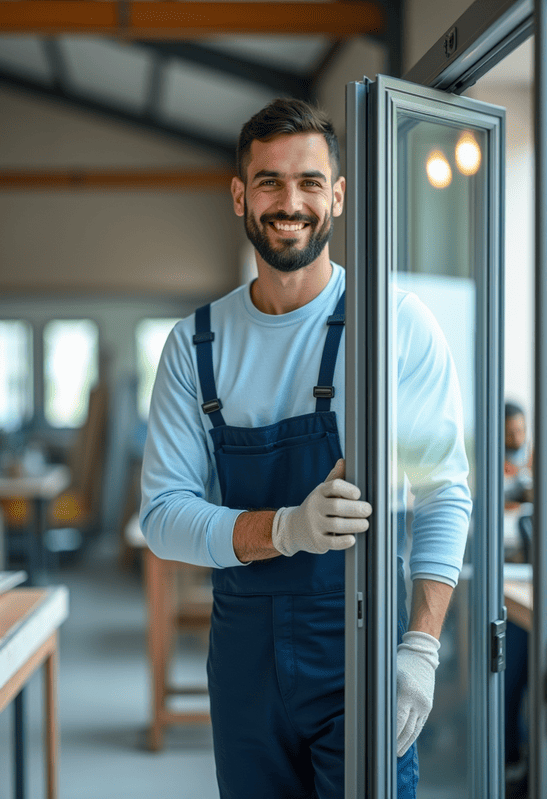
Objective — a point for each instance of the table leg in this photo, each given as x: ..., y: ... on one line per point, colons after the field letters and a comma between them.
x: 157, y: 642
x: 19, y: 742
x: 50, y: 722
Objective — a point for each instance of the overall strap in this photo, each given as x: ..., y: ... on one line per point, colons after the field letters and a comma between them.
x: 324, y: 391
x: 203, y: 339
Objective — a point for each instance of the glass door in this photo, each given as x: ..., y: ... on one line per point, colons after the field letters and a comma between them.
x: 424, y: 442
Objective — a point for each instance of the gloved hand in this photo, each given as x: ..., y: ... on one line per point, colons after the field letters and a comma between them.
x: 417, y: 660
x: 328, y: 518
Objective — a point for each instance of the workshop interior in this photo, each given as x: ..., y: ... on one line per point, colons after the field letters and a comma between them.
x: 119, y: 126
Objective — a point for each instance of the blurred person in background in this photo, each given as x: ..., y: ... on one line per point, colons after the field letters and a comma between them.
x: 518, y: 458
x: 518, y: 494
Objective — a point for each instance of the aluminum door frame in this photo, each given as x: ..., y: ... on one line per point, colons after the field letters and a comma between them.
x: 370, y: 565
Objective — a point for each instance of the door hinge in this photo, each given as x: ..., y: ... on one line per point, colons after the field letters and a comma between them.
x: 498, y: 640
x: 360, y: 617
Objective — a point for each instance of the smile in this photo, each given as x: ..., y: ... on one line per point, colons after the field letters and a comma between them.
x: 289, y: 226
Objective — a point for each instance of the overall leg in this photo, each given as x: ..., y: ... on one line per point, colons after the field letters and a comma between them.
x: 258, y: 753
x: 407, y: 765
x: 317, y: 703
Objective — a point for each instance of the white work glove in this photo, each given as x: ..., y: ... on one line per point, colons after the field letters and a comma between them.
x: 417, y: 660
x: 328, y: 518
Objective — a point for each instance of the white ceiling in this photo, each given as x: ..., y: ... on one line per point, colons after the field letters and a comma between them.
x: 196, y: 95
x: 199, y: 97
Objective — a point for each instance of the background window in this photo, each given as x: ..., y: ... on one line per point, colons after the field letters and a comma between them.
x: 16, y: 385
x: 71, y: 368
x: 150, y: 336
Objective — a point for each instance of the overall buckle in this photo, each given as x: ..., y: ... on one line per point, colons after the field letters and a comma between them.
x: 324, y: 392
x: 211, y: 406
x: 201, y: 338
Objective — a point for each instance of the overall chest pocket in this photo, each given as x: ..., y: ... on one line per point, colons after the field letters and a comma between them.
x: 272, y: 446
x: 277, y: 473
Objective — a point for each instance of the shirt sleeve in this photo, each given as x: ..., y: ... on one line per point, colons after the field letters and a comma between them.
x: 176, y: 518
x: 431, y: 443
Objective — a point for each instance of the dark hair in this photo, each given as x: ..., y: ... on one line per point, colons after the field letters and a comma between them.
x: 512, y: 410
x: 287, y: 116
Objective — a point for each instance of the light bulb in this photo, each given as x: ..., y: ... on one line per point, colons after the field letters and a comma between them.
x: 438, y: 170
x: 468, y: 154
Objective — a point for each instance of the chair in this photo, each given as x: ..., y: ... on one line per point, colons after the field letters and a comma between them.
x: 179, y: 597
x: 80, y: 505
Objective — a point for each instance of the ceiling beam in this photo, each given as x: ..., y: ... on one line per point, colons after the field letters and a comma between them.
x: 116, y: 180
x: 176, y: 20
x: 325, y: 62
x: 155, y: 86
x: 56, y: 61
x: 223, y: 148
x: 279, y: 79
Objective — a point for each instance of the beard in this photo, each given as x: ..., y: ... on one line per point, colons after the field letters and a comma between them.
x: 287, y: 257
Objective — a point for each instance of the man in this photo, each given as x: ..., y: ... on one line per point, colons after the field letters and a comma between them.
x: 518, y: 458
x: 518, y: 492
x: 244, y: 471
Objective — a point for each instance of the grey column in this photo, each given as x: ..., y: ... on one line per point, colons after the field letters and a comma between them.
x: 538, y: 660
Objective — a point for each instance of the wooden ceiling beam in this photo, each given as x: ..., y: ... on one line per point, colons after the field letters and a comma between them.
x: 187, y: 20
x: 116, y: 180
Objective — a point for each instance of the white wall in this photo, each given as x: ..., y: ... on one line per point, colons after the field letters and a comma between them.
x: 519, y: 232
x: 183, y: 243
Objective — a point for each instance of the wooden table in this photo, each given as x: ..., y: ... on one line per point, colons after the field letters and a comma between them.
x: 39, y: 489
x: 29, y: 623
x: 518, y: 593
x: 519, y: 602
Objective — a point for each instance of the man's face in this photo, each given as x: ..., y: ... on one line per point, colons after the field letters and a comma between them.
x: 289, y: 201
x: 515, y: 432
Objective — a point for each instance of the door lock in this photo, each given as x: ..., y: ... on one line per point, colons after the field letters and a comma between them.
x: 360, y: 609
x: 498, y: 641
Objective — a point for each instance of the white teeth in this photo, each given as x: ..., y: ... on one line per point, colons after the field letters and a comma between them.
x: 281, y: 226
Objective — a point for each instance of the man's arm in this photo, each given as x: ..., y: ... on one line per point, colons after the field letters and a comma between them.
x: 329, y: 518
x: 430, y: 601
x: 253, y: 536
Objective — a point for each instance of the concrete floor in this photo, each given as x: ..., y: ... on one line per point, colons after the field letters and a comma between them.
x: 104, y: 699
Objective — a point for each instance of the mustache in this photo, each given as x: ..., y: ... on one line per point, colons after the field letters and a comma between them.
x: 281, y: 216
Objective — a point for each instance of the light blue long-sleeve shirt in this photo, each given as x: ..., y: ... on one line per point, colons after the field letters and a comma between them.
x: 265, y: 369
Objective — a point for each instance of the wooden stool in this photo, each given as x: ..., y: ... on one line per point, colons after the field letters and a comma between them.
x: 177, y: 599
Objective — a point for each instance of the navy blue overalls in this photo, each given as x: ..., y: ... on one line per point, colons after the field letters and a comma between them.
x: 276, y: 658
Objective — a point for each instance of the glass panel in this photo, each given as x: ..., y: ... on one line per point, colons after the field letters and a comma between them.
x: 438, y: 201
x: 150, y: 336
x: 16, y: 385
x: 71, y: 368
